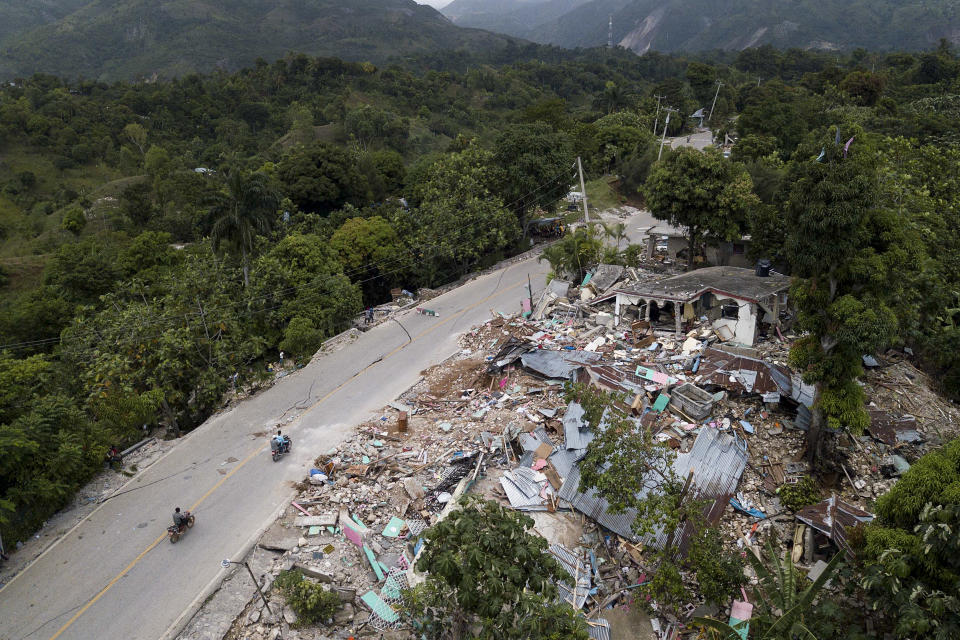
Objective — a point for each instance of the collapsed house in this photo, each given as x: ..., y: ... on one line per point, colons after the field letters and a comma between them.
x: 738, y: 303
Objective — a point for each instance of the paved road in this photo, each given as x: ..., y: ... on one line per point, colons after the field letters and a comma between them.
x: 697, y: 140
x: 115, y: 576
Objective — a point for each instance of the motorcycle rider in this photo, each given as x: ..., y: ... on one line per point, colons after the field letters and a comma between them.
x: 279, y: 443
x: 179, y: 519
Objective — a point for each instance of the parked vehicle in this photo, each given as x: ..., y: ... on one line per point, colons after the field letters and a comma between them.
x: 175, y: 532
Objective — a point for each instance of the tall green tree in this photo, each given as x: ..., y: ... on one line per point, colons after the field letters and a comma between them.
x: 836, y: 245
x: 703, y: 193
x: 536, y: 167
x: 459, y: 221
x: 245, y: 209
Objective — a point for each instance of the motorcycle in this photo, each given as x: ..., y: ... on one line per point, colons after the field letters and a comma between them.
x: 175, y: 532
x: 278, y: 451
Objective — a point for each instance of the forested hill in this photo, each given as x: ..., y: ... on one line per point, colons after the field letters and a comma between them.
x: 698, y: 25
x: 121, y: 39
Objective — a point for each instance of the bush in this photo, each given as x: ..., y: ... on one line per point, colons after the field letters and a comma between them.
x: 310, y: 601
x: 73, y: 220
x: 719, y: 570
x: 797, y: 496
x: 302, y: 338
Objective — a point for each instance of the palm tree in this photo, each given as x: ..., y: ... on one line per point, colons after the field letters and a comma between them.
x: 616, y: 232
x: 781, y: 604
x: 241, y: 213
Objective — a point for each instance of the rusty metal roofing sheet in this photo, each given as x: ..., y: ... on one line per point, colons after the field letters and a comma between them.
x: 893, y: 430
x: 833, y: 517
x: 743, y: 373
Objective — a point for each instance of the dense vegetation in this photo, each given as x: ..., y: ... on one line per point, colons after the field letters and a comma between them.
x: 158, y: 238
x: 125, y: 39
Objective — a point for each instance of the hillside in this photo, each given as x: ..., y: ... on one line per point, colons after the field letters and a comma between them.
x: 512, y: 17
x: 695, y: 25
x: 115, y: 39
x: 17, y: 16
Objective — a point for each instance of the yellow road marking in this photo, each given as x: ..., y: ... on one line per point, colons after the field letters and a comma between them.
x: 262, y: 447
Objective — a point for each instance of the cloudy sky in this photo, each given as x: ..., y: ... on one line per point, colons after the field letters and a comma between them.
x: 434, y: 3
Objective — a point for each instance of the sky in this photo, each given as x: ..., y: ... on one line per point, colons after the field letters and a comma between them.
x: 436, y: 4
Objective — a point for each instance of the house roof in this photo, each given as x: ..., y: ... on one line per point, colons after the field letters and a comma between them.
x: 735, y: 282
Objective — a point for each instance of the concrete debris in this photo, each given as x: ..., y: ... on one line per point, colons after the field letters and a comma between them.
x: 494, y: 420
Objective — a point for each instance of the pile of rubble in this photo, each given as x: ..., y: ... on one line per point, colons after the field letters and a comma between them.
x: 493, y: 421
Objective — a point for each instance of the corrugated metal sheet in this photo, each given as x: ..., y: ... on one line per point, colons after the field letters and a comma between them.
x: 557, y: 364
x: 565, y: 459
x: 615, y: 378
x: 893, y: 430
x: 599, y: 629
x: 575, y: 431
x: 578, y: 568
x: 833, y: 517
x: 595, y: 507
x: 717, y: 461
x: 542, y: 436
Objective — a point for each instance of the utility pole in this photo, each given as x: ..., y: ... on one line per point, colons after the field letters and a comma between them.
x: 656, y: 120
x: 583, y: 192
x: 665, y: 125
x: 719, y: 84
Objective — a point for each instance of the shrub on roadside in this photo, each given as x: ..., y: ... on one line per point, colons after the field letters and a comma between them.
x: 310, y: 601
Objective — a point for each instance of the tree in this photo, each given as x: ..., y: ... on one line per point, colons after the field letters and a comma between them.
x: 459, y: 222
x: 84, y: 271
x: 183, y: 343
x: 703, y: 193
x: 782, y: 610
x: 613, y: 97
x: 74, y: 220
x: 864, y: 87
x: 484, y: 569
x: 370, y: 250
x: 244, y: 210
x: 321, y: 177
x: 909, y: 557
x: 835, y: 248
x: 301, y: 338
x: 136, y: 135
x: 136, y: 202
x: 574, y: 254
x: 536, y: 167
x: 301, y: 277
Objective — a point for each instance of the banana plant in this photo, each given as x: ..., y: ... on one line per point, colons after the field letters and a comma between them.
x: 782, y: 606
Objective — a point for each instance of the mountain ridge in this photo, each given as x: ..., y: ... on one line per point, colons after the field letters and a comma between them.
x: 119, y: 39
x: 698, y: 25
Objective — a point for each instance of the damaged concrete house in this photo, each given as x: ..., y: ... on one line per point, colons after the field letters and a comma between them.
x: 738, y: 303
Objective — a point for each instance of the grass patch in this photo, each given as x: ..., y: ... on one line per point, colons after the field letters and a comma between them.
x: 601, y: 195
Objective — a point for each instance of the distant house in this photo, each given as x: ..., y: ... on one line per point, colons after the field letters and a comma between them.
x: 674, y: 244
x: 736, y: 302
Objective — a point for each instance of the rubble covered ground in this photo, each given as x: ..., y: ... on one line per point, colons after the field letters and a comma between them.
x: 492, y: 420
